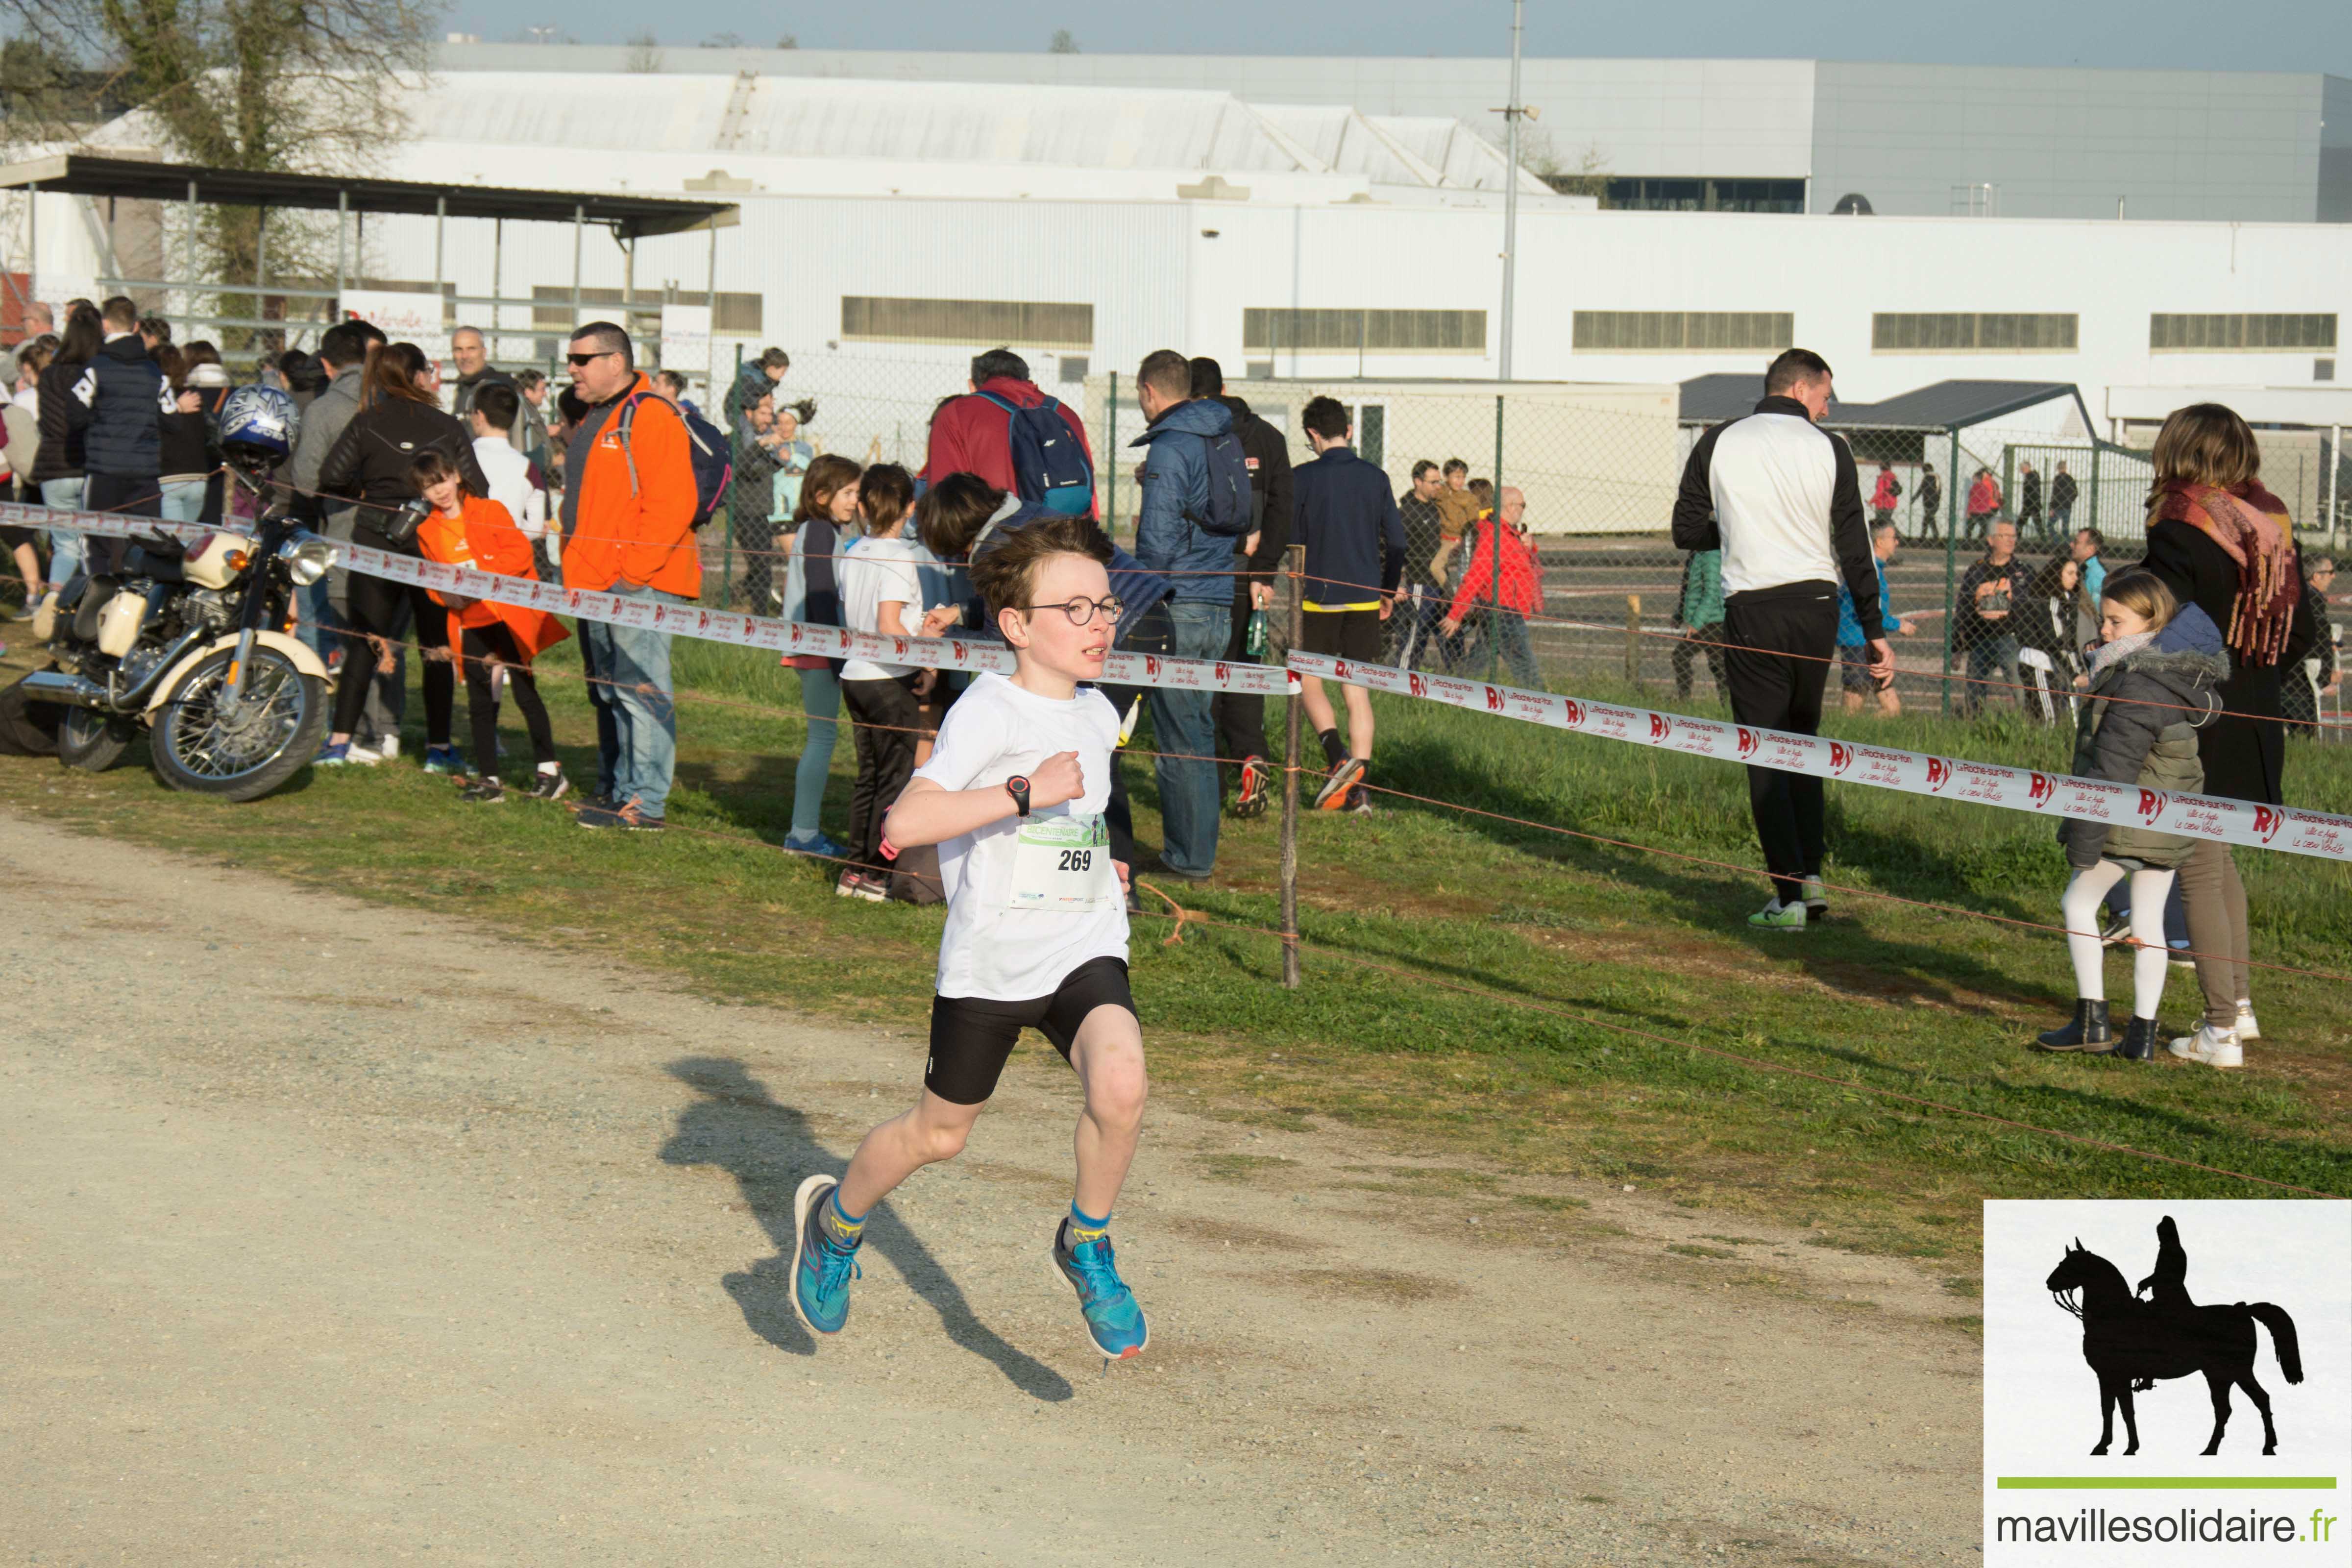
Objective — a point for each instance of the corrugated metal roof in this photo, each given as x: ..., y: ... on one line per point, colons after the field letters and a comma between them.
x: 1062, y: 126
x: 1941, y: 406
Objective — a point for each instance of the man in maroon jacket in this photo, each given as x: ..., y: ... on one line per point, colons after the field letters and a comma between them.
x: 971, y: 435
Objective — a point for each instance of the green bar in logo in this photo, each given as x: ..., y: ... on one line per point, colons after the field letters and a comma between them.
x: 2166, y: 1483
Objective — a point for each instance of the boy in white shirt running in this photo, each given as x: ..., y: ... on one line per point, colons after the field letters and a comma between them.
x: 1036, y: 927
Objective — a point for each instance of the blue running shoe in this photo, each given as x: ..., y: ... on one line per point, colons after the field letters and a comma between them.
x: 1114, y: 1322
x: 443, y: 760
x: 821, y: 1270
x: 816, y: 843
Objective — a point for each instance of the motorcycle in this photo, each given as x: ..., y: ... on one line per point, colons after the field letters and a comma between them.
x: 190, y: 640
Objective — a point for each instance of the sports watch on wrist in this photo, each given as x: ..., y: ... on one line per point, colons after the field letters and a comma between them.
x: 1018, y: 788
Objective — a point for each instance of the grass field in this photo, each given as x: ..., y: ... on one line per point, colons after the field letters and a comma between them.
x: 1470, y: 982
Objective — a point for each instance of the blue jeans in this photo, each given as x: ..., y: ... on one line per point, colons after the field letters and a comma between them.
x: 1190, y: 796
x: 1991, y: 657
x: 821, y: 700
x: 635, y: 705
x: 65, y: 545
x: 1509, y: 630
x: 184, y: 501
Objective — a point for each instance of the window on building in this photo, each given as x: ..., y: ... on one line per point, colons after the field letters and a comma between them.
x: 2239, y: 333
x: 981, y: 324
x: 739, y: 315
x: 1966, y: 332
x: 1268, y: 330
x: 1698, y: 196
x: 1684, y: 332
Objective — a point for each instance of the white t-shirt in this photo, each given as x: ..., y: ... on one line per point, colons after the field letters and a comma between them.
x: 873, y: 571
x: 509, y: 472
x: 990, y: 948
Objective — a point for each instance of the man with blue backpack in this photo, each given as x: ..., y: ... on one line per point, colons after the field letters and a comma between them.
x: 1015, y: 437
x: 1196, y: 509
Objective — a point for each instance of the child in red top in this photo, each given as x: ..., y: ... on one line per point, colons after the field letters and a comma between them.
x: 1521, y: 592
x: 465, y: 530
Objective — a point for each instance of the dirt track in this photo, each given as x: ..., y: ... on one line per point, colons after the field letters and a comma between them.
x: 331, y: 1234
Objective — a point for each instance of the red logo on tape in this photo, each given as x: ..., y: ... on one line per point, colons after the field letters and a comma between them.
x: 1939, y: 774
x: 2152, y: 803
x: 2038, y: 789
x: 1658, y: 727
x: 1746, y: 742
x: 1494, y: 700
x: 2267, y: 822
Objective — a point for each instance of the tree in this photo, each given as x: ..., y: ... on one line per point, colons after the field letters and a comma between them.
x: 309, y: 86
x: 645, y: 56
x: 723, y: 41
x: 789, y: 41
x: 1064, y: 42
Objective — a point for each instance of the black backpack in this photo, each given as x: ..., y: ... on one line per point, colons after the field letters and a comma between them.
x: 1229, y: 512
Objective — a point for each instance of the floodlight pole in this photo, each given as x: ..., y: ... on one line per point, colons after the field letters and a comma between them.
x: 1512, y: 112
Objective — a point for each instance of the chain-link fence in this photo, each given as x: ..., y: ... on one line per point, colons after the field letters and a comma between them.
x: 1986, y: 580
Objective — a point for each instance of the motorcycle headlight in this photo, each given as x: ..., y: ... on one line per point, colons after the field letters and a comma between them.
x: 306, y: 557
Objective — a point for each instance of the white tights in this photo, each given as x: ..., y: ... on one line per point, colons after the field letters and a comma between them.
x: 2149, y: 891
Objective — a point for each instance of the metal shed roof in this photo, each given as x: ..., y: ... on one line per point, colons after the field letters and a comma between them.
x: 80, y: 173
x: 1942, y: 406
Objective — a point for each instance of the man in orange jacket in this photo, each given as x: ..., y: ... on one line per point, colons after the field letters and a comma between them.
x: 628, y: 530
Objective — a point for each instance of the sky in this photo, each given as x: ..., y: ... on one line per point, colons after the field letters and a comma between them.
x: 2255, y: 34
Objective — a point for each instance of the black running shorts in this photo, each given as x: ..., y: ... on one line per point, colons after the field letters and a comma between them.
x: 971, y: 1036
x: 1343, y: 634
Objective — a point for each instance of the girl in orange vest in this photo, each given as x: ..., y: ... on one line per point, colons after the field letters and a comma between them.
x: 468, y: 529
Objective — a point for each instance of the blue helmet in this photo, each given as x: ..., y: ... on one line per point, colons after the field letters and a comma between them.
x: 256, y: 426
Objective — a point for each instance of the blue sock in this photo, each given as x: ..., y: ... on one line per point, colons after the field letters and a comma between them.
x: 1084, y: 1228
x: 842, y: 1228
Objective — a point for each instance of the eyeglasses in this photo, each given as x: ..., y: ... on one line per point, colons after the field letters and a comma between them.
x: 583, y: 359
x: 1081, y: 610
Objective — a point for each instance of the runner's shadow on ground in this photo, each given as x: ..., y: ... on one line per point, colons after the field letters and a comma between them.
x: 768, y: 1148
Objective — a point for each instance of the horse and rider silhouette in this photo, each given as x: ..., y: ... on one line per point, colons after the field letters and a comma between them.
x: 2131, y: 1343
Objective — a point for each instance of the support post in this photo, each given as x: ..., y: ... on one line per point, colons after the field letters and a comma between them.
x: 33, y: 234
x: 1110, y: 462
x: 342, y: 211
x: 440, y: 222
x: 1511, y: 117
x: 711, y: 337
x: 195, y: 250
x: 260, y: 269
x: 2335, y: 486
x: 1495, y: 553
x: 1294, y: 570
x: 579, y: 227
x: 1633, y: 642
x: 1952, y: 564
x: 498, y: 284
x: 2097, y: 522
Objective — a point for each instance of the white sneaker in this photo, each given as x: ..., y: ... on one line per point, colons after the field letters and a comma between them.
x: 388, y: 748
x: 2214, y: 1048
x: 2247, y: 1028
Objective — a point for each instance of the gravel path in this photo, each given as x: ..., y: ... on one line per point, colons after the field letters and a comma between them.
x: 331, y: 1233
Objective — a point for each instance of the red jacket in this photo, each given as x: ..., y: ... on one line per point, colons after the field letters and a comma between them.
x: 1984, y: 496
x: 1522, y: 573
x: 1882, y: 499
x: 970, y: 434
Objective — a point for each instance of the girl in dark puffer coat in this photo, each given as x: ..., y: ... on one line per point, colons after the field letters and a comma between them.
x: 2153, y: 686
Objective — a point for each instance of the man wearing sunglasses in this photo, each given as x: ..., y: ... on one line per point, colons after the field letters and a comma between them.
x: 628, y: 516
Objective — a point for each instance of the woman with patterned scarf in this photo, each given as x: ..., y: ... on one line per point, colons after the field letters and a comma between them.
x: 2222, y: 542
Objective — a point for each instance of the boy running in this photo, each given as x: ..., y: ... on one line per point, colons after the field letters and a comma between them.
x: 1036, y: 927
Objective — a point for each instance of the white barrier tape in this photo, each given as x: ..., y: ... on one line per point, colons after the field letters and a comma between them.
x: 711, y: 625
x: 2295, y: 831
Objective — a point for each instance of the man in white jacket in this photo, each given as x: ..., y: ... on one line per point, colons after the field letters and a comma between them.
x: 1777, y: 494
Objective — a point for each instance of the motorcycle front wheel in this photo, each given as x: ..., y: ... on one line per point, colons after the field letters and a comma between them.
x: 93, y: 742
x: 272, y: 736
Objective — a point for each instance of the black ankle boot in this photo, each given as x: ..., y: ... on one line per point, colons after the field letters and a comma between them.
x: 2138, y: 1043
x: 2088, y: 1032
